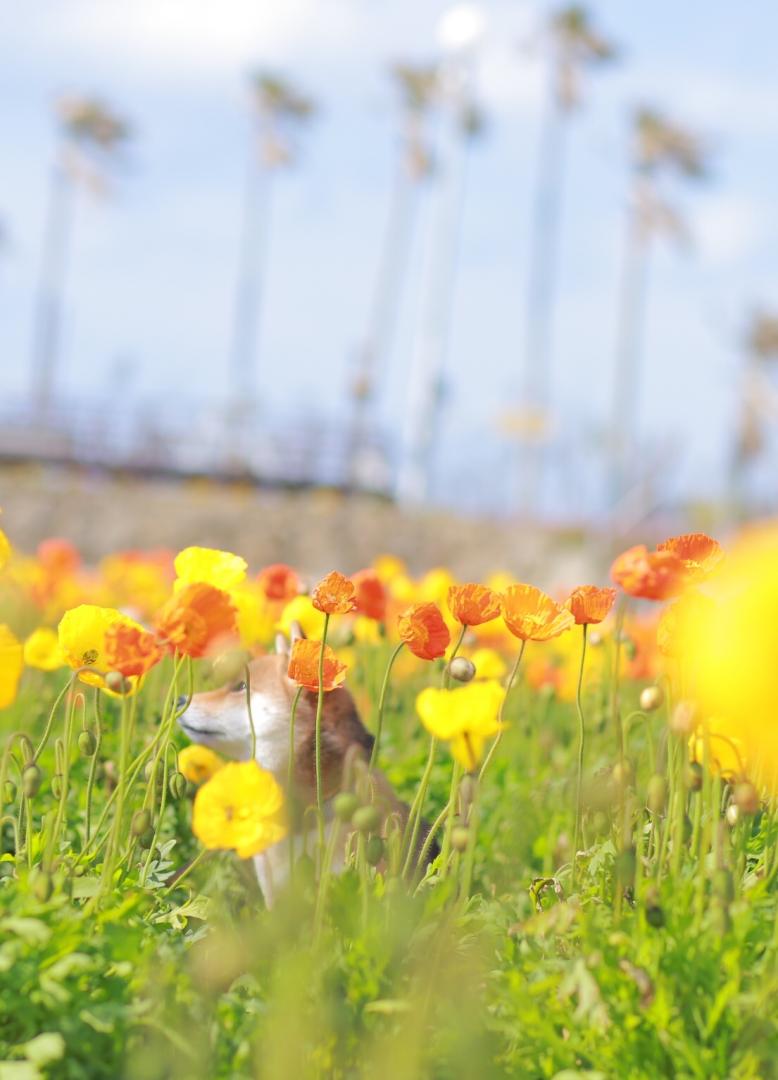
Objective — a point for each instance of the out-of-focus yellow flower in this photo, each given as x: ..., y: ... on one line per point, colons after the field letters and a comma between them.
x: 367, y: 631
x: 726, y: 754
x: 465, y: 717
x: 42, y: 651
x: 137, y: 581
x: 388, y: 567
x: 500, y: 581
x: 301, y: 610
x: 82, y: 639
x: 488, y: 664
x: 729, y: 652
x: 5, y: 549
x: 199, y: 763
x: 434, y: 586
x: 242, y: 808
x: 256, y: 617
x: 209, y: 566
x: 11, y: 664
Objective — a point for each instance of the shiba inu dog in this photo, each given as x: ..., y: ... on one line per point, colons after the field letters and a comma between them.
x: 219, y: 719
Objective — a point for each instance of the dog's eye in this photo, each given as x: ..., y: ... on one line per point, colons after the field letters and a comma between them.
x: 238, y: 687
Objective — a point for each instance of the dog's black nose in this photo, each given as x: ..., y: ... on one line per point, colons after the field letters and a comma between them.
x: 181, y: 700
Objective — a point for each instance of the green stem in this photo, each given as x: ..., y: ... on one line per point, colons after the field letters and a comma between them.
x: 247, y: 678
x: 508, y: 687
x: 411, y: 832
x: 381, y: 703
x: 185, y: 873
x: 317, y: 738
x: 581, y: 741
x: 456, y: 775
x: 290, y: 785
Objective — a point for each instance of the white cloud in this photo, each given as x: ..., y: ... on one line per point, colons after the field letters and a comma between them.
x: 725, y: 229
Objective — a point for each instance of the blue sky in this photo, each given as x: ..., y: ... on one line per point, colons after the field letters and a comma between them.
x: 149, y: 301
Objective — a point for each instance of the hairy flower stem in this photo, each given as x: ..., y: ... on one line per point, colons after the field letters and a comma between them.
x: 290, y: 786
x: 381, y: 704
x: 187, y: 870
x: 579, y: 771
x: 324, y: 878
x: 167, y: 725
x: 64, y: 770
x: 317, y: 739
x: 90, y: 783
x: 508, y: 688
x: 456, y: 776
x: 247, y: 680
x: 411, y: 832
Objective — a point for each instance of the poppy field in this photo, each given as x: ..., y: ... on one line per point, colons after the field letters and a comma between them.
x: 543, y: 842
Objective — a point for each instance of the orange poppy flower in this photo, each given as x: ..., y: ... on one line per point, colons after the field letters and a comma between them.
x: 532, y: 615
x: 130, y: 649
x: 651, y: 575
x: 700, y: 554
x: 304, y: 666
x: 279, y: 582
x: 423, y: 630
x: 197, y: 619
x: 590, y: 604
x: 334, y: 595
x: 371, y: 594
x: 58, y: 557
x: 473, y: 604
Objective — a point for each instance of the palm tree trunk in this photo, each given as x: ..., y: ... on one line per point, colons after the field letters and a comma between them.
x: 373, y: 355
x: 254, y: 246
x: 631, y: 324
x: 47, y: 325
x: 544, y: 259
x: 425, y: 395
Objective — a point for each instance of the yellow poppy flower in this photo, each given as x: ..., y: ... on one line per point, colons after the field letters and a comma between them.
x: 199, y: 763
x: 81, y: 634
x: 240, y: 807
x: 488, y: 664
x: 465, y: 718
x: 256, y: 618
x: 42, y: 651
x: 201, y: 565
x: 301, y: 610
x: 11, y: 664
x: 5, y: 549
x: 388, y: 567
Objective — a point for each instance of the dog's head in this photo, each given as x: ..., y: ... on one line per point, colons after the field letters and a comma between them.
x: 220, y: 719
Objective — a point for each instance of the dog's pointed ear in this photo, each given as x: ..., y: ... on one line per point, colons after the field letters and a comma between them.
x: 282, y: 644
x: 296, y: 632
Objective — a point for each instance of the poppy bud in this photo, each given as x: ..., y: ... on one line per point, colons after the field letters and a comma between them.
x: 657, y: 793
x: 460, y: 838
x: 41, y: 885
x: 177, y: 785
x: 746, y: 798
x: 366, y: 819
x: 694, y: 776
x: 56, y: 785
x: 114, y: 680
x: 87, y: 743
x: 732, y: 815
x: 141, y: 822
x: 622, y: 773
x: 9, y: 791
x: 31, y: 781
x: 651, y: 698
x: 374, y: 850
x: 27, y: 749
x: 683, y: 720
x: 345, y: 805
x: 230, y: 666
x: 146, y: 839
x: 655, y: 915
x: 467, y: 788
x: 461, y: 669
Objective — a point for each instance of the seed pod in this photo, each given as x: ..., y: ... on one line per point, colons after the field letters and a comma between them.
x: 461, y: 669
x: 87, y: 743
x: 622, y: 773
x: 31, y: 781
x: 114, y: 680
x: 657, y: 793
x: 683, y: 719
x: 694, y: 776
x: 27, y: 749
x: 746, y: 798
x: 467, y: 789
x: 345, y: 805
x: 733, y: 814
x: 366, y: 819
x: 141, y: 822
x: 177, y: 785
x: 146, y: 839
x: 41, y: 885
x: 651, y: 698
x: 374, y: 850
x: 9, y: 791
x: 655, y: 915
x: 460, y: 838
x: 57, y: 783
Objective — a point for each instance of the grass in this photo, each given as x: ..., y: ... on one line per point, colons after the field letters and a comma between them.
x: 659, y: 961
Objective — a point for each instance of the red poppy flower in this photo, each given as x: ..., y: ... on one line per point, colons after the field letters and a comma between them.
x: 304, y: 666
x: 423, y: 630
x: 279, y: 582
x: 473, y: 604
x: 334, y: 595
x: 590, y: 604
x: 371, y: 594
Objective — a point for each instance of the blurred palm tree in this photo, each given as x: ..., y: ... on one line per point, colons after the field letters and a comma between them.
x: 90, y: 138
x: 427, y: 389
x: 575, y: 47
x: 279, y: 111
x: 419, y: 90
x: 758, y: 400
x: 661, y: 149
